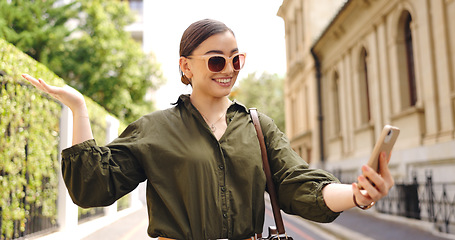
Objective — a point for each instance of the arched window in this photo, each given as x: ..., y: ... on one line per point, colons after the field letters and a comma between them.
x: 410, y: 60
x: 336, y: 104
x: 364, y: 92
x: 408, y: 87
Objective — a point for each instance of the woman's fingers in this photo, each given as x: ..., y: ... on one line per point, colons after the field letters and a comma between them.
x: 377, y: 185
x: 67, y: 95
x: 47, y: 88
x: 52, y: 90
x: 384, y: 170
x: 35, y: 82
x: 43, y: 86
x: 370, y: 187
x: 362, y: 199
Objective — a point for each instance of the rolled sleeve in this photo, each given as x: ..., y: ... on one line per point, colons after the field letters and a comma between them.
x: 300, y: 193
x: 98, y: 176
x: 299, y: 188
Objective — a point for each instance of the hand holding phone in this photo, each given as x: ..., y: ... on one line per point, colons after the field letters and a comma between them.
x: 385, y: 144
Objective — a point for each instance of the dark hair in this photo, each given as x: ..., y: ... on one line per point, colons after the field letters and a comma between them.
x: 197, y: 33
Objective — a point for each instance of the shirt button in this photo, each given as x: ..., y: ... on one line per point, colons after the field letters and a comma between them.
x: 225, y: 215
x: 223, y: 189
x: 221, y: 167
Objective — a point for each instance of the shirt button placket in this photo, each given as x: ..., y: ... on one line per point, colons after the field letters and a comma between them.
x: 224, y: 201
x: 224, y: 192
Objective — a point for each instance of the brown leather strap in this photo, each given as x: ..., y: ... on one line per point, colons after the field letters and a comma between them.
x: 268, y: 173
x: 163, y: 238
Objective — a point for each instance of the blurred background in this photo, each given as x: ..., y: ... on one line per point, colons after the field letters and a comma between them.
x: 331, y: 73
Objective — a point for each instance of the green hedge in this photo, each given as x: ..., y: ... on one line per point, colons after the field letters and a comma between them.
x: 29, y: 138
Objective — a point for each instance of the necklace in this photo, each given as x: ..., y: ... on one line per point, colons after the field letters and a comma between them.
x: 212, y: 125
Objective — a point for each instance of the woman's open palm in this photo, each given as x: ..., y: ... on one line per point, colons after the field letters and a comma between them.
x: 66, y: 95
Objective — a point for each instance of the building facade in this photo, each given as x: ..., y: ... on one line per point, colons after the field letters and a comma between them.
x: 136, y: 29
x: 372, y: 63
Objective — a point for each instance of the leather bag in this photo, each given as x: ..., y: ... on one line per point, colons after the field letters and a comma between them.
x: 278, y: 231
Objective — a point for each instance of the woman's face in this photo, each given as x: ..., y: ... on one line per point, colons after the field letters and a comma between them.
x: 204, y: 81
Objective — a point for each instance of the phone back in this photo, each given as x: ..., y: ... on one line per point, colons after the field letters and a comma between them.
x: 385, y: 143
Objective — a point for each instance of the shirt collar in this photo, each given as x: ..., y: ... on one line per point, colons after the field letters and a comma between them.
x: 184, y: 100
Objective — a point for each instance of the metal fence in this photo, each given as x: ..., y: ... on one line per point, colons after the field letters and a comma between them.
x: 27, y: 206
x: 426, y: 201
x: 89, y: 214
x: 35, y: 224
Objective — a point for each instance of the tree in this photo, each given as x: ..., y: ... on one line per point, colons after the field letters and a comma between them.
x: 99, y: 58
x: 264, y: 93
x: 106, y: 64
x: 35, y: 27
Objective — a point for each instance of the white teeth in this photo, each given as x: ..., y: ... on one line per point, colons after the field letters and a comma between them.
x: 224, y: 80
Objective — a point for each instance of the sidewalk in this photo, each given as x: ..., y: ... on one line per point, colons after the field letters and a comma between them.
x: 373, y: 225
x: 352, y: 224
x: 130, y: 227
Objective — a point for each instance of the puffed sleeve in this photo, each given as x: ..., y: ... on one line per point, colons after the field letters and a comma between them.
x: 99, y: 175
x: 299, y: 188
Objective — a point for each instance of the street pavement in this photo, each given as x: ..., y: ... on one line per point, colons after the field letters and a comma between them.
x: 130, y: 227
x: 352, y: 224
x: 367, y: 225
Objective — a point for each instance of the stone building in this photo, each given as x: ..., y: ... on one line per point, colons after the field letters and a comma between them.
x: 356, y: 65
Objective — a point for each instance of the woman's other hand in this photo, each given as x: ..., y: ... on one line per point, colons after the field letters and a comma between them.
x: 374, y: 185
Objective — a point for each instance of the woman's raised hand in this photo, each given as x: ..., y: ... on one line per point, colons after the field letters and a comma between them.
x: 66, y: 95
x: 72, y: 99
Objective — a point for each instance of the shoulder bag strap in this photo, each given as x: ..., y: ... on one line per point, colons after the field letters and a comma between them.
x: 268, y: 174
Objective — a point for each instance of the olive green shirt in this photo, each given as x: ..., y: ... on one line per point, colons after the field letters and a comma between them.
x: 197, y: 187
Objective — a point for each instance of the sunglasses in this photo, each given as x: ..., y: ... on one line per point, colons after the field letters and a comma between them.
x: 217, y: 62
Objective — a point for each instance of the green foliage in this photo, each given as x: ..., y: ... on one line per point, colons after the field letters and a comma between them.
x: 29, y: 125
x: 106, y: 64
x: 124, y: 202
x: 36, y: 27
x: 264, y: 93
x: 29, y: 137
x: 99, y: 59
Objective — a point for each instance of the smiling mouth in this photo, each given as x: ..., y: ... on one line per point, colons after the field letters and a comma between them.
x: 223, y: 80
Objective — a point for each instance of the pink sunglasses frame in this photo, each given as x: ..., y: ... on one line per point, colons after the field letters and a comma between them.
x: 227, y: 60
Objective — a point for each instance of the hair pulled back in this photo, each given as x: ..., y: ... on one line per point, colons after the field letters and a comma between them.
x: 197, y: 33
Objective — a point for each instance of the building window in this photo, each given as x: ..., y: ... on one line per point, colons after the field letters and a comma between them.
x: 306, y: 104
x: 364, y: 93
x: 294, y: 118
x: 137, y: 7
x: 299, y: 28
x: 408, y: 86
x: 410, y: 60
x: 336, y: 105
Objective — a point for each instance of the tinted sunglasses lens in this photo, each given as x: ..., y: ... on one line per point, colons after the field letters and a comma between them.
x: 238, y: 61
x: 216, y: 64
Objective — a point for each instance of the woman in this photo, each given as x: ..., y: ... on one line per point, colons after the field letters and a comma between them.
x: 201, y: 158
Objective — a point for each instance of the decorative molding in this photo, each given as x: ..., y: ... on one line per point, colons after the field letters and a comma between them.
x: 295, y: 68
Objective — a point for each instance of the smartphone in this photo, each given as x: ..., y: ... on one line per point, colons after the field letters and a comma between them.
x: 385, y: 144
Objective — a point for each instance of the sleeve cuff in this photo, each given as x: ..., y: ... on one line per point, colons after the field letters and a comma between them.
x: 78, y: 148
x: 323, y: 206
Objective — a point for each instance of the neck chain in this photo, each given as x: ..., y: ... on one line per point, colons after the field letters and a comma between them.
x: 212, y: 125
